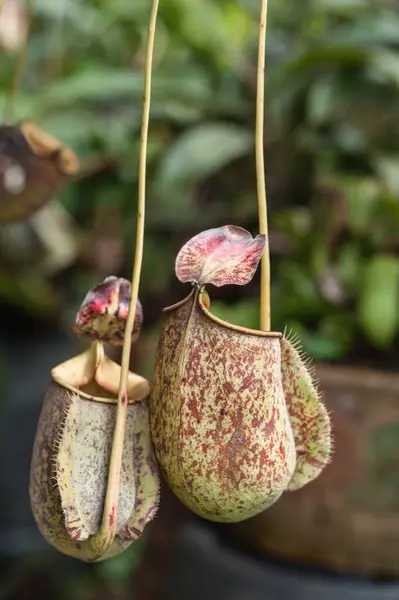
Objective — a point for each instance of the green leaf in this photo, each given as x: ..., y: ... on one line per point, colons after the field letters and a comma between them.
x: 243, y: 312
x: 322, y: 101
x: 381, y: 28
x: 362, y: 195
x: 203, y: 26
x: 102, y: 84
x: 202, y: 151
x: 387, y: 167
x: 378, y: 309
x: 350, y: 262
x: 343, y: 5
x: 385, y: 65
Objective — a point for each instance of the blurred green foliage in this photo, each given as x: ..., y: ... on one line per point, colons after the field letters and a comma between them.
x: 332, y: 150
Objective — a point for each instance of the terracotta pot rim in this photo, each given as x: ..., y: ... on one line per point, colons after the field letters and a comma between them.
x: 350, y: 375
x: 221, y: 322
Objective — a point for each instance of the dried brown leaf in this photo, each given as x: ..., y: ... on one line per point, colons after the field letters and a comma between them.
x: 33, y: 168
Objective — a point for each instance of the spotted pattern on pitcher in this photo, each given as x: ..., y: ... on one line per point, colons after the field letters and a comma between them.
x: 220, y: 425
x: 146, y: 477
x: 69, y: 473
x: 308, y: 416
x: 235, y: 417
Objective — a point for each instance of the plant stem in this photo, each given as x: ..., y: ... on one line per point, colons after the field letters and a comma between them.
x: 106, y: 535
x: 260, y: 173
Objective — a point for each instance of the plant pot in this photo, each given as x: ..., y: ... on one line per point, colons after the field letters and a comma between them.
x: 203, y: 567
x: 348, y: 518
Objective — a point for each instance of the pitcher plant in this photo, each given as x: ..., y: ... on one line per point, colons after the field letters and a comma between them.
x: 94, y: 483
x: 236, y: 417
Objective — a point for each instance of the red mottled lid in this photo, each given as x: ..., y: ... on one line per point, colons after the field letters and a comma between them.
x: 104, y: 312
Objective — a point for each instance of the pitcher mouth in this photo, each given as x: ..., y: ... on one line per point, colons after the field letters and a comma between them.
x: 83, y: 392
x: 199, y: 299
x: 93, y: 376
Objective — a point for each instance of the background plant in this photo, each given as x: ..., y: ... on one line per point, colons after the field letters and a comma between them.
x: 331, y: 156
